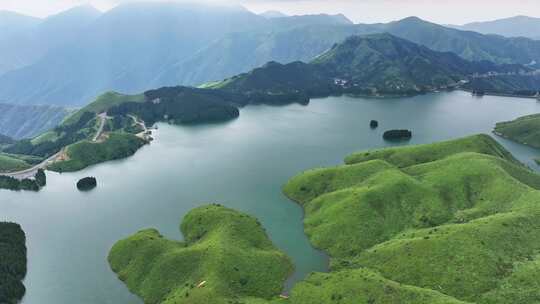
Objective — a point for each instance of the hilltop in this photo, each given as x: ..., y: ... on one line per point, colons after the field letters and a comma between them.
x: 226, y: 258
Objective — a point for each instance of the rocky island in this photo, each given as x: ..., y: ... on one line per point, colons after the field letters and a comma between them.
x: 87, y: 184
x: 397, y: 135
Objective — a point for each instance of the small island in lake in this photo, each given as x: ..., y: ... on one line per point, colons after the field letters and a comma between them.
x: 397, y: 134
x: 374, y: 124
x: 87, y: 184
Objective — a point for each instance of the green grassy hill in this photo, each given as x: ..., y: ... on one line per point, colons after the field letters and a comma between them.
x: 9, y: 163
x: 102, y: 104
x: 83, y: 154
x: 178, y: 105
x: 459, y: 218
x: 451, y: 222
x: 525, y: 130
x: 14, y: 162
x: 227, y: 250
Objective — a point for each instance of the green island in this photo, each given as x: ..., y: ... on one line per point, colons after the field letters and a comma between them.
x: 226, y: 258
x: 465, y: 210
x: 12, y: 262
x: 87, y: 183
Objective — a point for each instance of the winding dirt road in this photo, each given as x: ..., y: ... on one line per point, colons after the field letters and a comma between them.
x: 31, y: 172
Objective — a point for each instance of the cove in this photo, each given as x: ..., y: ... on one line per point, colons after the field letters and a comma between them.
x: 241, y: 164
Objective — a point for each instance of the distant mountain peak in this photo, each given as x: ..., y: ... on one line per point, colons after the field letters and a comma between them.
x: 273, y: 14
x: 7, y: 17
x: 413, y: 20
x: 516, y: 26
x: 83, y: 13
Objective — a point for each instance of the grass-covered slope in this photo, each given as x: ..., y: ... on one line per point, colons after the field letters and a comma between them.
x: 103, y: 103
x: 412, y: 155
x: 525, y: 130
x: 12, y: 262
x: 460, y: 218
x: 362, y: 286
x: 227, y: 250
x: 10, y: 163
x: 86, y: 153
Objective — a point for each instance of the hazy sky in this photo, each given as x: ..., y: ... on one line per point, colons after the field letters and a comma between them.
x: 440, y: 11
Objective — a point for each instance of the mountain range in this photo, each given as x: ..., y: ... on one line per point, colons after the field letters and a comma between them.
x: 27, y: 121
x: 518, y: 26
x: 24, y: 40
x: 376, y: 64
x: 139, y: 46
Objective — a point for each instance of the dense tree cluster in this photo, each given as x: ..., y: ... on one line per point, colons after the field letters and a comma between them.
x: 182, y: 105
x: 10, y: 183
x: 87, y: 183
x: 518, y: 85
x: 12, y: 262
x: 41, y: 178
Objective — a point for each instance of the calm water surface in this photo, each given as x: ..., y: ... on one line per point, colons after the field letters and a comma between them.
x: 242, y: 164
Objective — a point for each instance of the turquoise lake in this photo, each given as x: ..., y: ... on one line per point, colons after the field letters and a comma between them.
x: 241, y: 164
